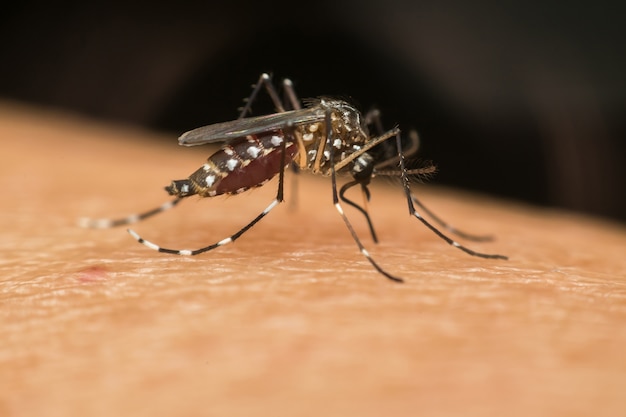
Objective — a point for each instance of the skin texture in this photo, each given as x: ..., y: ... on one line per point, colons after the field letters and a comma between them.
x: 290, y: 319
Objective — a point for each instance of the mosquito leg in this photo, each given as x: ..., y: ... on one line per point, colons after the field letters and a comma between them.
x: 133, y: 218
x: 373, y: 118
x: 425, y: 171
x: 449, y: 227
x: 190, y: 252
x: 337, y: 204
x: 343, y: 198
x: 292, y: 97
x: 409, y: 150
x: 353, y: 233
x: 264, y: 81
x: 293, y: 100
x: 413, y: 212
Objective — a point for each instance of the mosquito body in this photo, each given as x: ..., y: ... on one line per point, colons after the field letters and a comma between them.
x: 258, y: 145
x: 326, y: 137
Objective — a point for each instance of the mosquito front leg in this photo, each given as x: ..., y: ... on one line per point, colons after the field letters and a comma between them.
x: 450, y: 228
x: 413, y: 212
x: 337, y: 204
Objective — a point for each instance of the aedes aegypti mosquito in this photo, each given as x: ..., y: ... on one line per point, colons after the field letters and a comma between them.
x: 326, y: 137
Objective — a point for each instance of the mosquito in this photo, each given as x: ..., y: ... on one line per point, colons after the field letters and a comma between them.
x: 325, y: 136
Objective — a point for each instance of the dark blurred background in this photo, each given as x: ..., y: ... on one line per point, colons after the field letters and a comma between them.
x: 518, y: 99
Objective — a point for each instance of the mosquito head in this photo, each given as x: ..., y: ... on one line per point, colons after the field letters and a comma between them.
x: 347, y: 121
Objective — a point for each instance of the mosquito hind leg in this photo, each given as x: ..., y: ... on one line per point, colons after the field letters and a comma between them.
x: 290, y: 95
x: 191, y: 252
x: 265, y: 81
x: 133, y: 218
x: 291, y: 99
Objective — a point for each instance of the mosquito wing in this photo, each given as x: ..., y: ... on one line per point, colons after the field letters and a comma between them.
x: 221, y: 132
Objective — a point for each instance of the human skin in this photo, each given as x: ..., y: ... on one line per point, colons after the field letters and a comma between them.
x: 290, y: 319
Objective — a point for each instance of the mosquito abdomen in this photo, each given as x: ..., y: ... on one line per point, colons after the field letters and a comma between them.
x: 238, y: 166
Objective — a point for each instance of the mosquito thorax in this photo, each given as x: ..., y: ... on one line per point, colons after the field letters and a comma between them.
x: 349, y: 134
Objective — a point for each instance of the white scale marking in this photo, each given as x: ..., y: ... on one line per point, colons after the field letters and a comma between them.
x: 210, y: 180
x: 271, y: 206
x: 276, y: 140
x: 145, y: 242
x: 134, y: 218
x: 231, y: 164
x: 151, y: 245
x: 86, y: 222
x: 170, y: 204
x: 253, y: 151
x: 224, y: 241
x: 185, y: 252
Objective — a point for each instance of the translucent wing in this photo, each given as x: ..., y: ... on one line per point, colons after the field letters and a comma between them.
x: 221, y: 132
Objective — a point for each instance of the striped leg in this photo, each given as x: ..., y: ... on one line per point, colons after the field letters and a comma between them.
x: 337, y: 204
x: 410, y: 200
x: 353, y: 233
x: 373, y: 118
x: 266, y: 81
x: 189, y: 252
x: 232, y: 238
x: 291, y: 101
x: 450, y: 228
x: 425, y: 171
x: 133, y: 218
